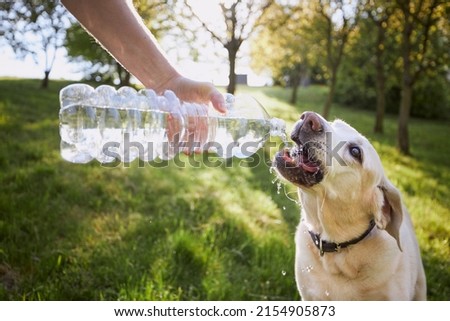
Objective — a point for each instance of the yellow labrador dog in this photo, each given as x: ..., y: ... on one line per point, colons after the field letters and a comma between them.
x: 355, y: 240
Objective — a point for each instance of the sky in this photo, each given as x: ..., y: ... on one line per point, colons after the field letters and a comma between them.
x: 217, y: 72
x: 27, y: 68
x: 214, y: 69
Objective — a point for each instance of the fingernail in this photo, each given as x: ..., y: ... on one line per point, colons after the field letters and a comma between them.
x: 218, y: 102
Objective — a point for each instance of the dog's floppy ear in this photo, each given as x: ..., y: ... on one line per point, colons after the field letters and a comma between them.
x: 390, y: 216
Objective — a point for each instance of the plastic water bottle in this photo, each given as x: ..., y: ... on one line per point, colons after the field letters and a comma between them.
x: 106, y: 125
x: 244, y: 128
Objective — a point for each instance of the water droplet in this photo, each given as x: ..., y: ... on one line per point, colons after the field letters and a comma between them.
x: 278, y: 187
x: 308, y: 269
x: 284, y: 138
x: 283, y: 272
x: 284, y: 208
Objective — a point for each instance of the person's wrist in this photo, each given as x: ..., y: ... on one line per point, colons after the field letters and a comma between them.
x: 191, y: 90
x: 169, y: 82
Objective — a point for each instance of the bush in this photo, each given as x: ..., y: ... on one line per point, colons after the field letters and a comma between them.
x: 431, y: 98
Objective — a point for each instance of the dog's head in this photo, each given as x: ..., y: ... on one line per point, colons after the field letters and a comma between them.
x: 333, y: 154
x: 333, y: 159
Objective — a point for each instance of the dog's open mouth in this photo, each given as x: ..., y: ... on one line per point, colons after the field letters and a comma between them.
x: 300, y: 164
x: 300, y: 156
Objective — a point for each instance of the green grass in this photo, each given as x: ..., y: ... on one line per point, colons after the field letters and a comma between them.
x: 85, y: 232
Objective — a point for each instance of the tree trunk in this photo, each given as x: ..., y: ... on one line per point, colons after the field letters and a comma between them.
x: 403, y: 119
x: 44, y: 83
x: 407, y: 88
x: 232, y: 73
x: 125, y: 81
x: 293, y: 100
x: 381, y: 103
x: 380, y: 81
x: 329, y: 101
x: 124, y: 75
x: 295, y: 82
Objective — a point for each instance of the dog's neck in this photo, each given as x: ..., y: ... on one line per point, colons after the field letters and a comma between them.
x: 334, y: 219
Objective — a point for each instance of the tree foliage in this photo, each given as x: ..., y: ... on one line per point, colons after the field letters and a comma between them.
x: 96, y: 62
x: 240, y: 20
x: 381, y: 55
x: 335, y: 21
x: 379, y: 14
x: 93, y: 59
x: 311, y: 39
x: 417, y: 18
x: 412, y: 58
x: 284, y: 49
x: 33, y: 27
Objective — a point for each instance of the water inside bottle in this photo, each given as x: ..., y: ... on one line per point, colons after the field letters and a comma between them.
x: 239, y: 137
x: 107, y: 134
x: 106, y: 125
x: 78, y: 142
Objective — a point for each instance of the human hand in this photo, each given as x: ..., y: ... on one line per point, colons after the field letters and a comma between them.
x: 198, y: 93
x: 195, y: 91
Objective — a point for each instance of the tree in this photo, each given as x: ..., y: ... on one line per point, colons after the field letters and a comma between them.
x: 367, y: 57
x: 33, y: 27
x: 241, y: 19
x: 98, y: 63
x: 417, y: 18
x: 379, y: 13
x: 288, y: 58
x: 335, y: 21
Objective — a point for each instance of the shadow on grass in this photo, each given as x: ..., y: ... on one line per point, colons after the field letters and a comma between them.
x: 83, y: 232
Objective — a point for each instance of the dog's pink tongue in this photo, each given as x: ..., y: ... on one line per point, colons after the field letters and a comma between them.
x: 308, y: 168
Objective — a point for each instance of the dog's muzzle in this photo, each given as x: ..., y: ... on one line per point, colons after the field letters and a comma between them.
x: 302, y: 164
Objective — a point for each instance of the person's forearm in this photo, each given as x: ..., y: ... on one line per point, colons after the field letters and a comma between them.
x: 117, y: 26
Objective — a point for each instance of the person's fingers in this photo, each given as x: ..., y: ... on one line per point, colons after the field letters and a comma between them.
x: 209, y: 93
x: 218, y: 101
x: 196, y: 126
x: 201, y: 92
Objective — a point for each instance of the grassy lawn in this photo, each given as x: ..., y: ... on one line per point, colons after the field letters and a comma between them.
x: 86, y: 232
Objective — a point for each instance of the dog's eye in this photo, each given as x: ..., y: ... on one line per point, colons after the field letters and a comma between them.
x: 355, y: 151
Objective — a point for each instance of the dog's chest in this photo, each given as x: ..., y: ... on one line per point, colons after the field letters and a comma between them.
x: 343, y: 264
x: 340, y: 265
x: 334, y: 278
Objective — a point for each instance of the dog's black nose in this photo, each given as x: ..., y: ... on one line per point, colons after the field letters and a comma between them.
x: 309, y: 123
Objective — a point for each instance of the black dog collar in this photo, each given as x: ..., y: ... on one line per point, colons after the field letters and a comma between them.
x: 325, y: 246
